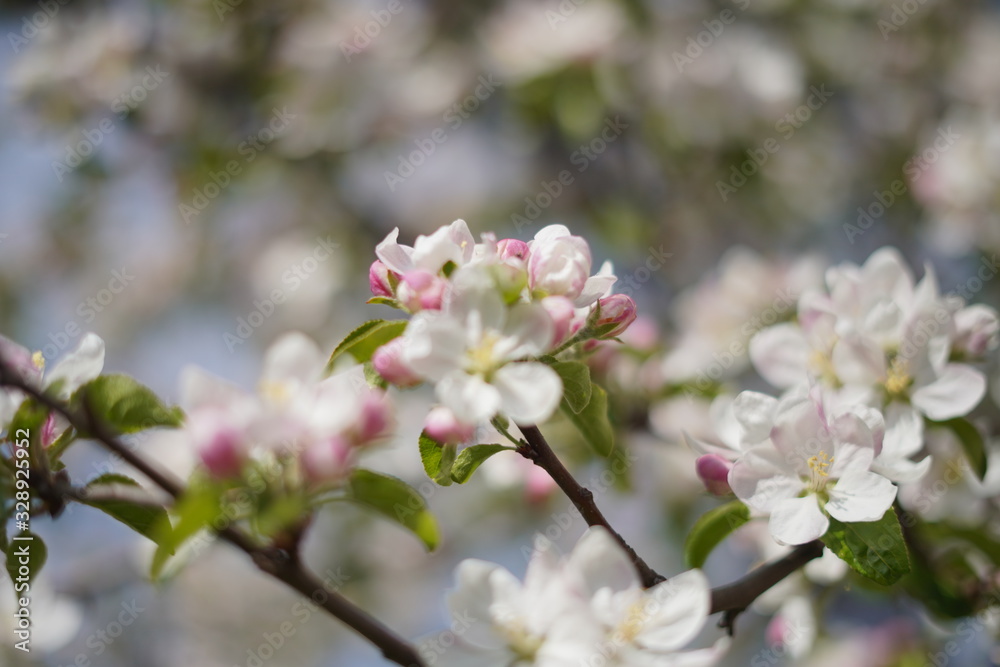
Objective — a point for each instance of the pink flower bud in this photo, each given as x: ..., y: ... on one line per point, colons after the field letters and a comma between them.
x: 714, y: 473
x: 776, y: 631
x: 50, y: 430
x: 326, y: 460
x: 442, y: 425
x: 219, y: 443
x: 616, y: 309
x: 512, y: 249
x: 563, y: 315
x: 558, y: 263
x: 378, y: 279
x: 375, y: 418
x: 389, y: 363
x: 421, y: 290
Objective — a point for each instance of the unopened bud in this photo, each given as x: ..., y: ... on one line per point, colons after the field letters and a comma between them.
x: 617, y: 309
x: 389, y: 363
x: 442, y: 425
x: 713, y: 470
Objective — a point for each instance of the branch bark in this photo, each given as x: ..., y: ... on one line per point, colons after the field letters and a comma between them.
x: 733, y: 599
x: 275, y: 562
x: 540, y: 453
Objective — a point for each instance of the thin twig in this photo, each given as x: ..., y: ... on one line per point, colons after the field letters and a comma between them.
x: 733, y: 599
x: 540, y: 453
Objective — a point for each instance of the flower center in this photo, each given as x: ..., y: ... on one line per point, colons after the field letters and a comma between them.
x: 523, y: 643
x: 38, y: 360
x: 818, y: 469
x: 823, y: 366
x: 276, y: 392
x: 898, y: 379
x: 635, y: 621
x: 482, y: 358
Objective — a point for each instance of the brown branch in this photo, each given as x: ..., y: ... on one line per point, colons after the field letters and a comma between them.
x: 732, y: 599
x: 270, y: 560
x: 540, y: 453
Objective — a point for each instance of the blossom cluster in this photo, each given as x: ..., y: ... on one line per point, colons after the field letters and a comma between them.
x: 585, y: 609
x: 312, y: 427
x: 483, y: 315
x: 863, y: 365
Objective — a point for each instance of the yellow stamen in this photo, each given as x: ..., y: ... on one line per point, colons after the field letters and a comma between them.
x: 897, y: 379
x: 634, y: 622
x: 276, y: 392
x: 38, y: 360
x: 818, y: 465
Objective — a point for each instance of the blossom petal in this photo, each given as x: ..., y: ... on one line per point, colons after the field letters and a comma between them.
x: 528, y: 332
x: 396, y: 257
x: 530, y: 392
x: 904, y: 430
x: 755, y: 413
x: 676, y: 611
x: 294, y: 356
x: 858, y: 360
x: 862, y: 496
x: 79, y: 366
x: 600, y: 562
x: 469, y: 396
x: 781, y: 355
x: 762, y: 479
x: 957, y: 390
x: 473, y: 597
x: 593, y: 289
x: 798, y: 520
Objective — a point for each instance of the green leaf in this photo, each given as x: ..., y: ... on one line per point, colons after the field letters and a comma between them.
x: 112, y: 478
x: 372, y: 377
x: 29, y: 417
x: 198, y: 508
x: 26, y: 546
x: 385, y: 301
x: 593, y: 422
x: 127, y: 405
x: 713, y: 527
x: 471, y: 458
x: 143, y: 519
x: 874, y: 549
x: 437, y: 458
x: 577, y: 388
x: 972, y: 443
x: 363, y: 341
x: 62, y: 443
x: 396, y: 500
